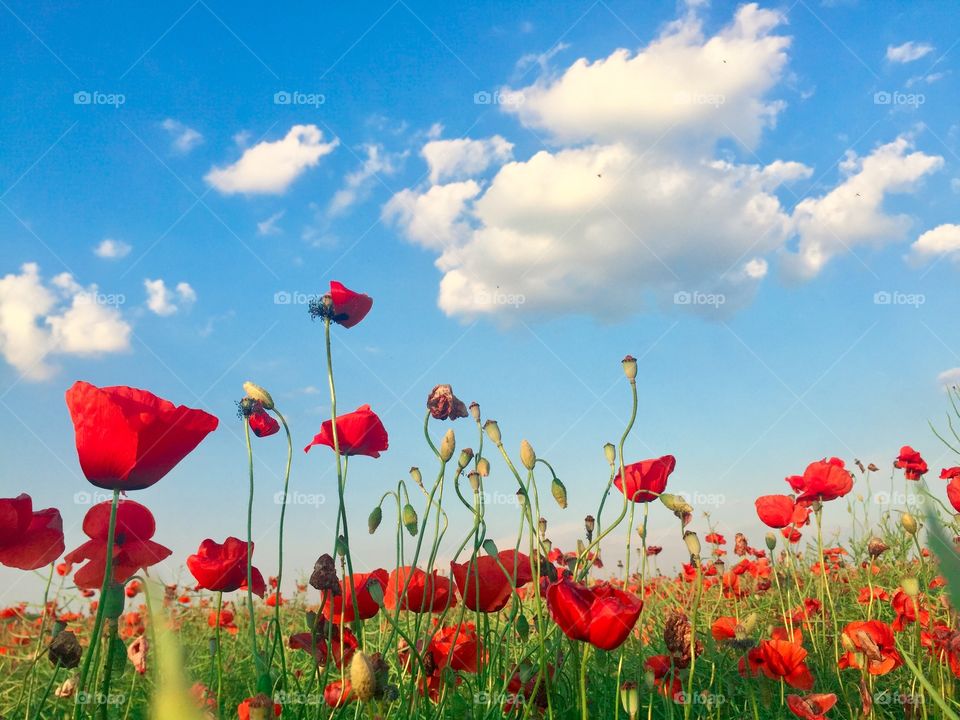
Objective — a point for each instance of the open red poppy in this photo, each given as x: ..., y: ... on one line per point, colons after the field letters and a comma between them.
x: 367, y: 607
x: 483, y: 584
x: 601, y: 614
x: 29, y: 539
x: 223, y: 567
x: 358, y: 433
x: 647, y: 479
x: 423, y: 594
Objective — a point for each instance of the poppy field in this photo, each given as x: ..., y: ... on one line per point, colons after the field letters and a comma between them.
x: 789, y: 625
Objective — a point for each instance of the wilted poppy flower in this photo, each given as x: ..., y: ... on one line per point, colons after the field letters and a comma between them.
x: 715, y: 539
x: 259, y: 701
x: 911, y: 463
x: 137, y: 654
x: 263, y: 423
x: 223, y: 567
x: 432, y: 595
x: 366, y: 606
x: 349, y: 307
x: 871, y: 641
x: 811, y: 707
x: 128, y: 439
x: 456, y: 646
x: 483, y: 584
x: 444, y: 405
x: 133, y: 549
x: 653, y: 550
x: 776, y: 511
x: 358, y: 433
x: 823, y: 480
x: 344, y: 645
x: 647, y: 479
x: 601, y: 615
x: 28, y: 539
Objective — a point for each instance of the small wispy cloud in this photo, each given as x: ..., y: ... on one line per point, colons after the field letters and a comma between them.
x: 269, y: 226
x: 110, y: 249
x: 184, y: 139
x: 908, y: 51
x: 164, y: 301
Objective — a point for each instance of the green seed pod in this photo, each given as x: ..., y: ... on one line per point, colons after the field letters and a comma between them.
x: 630, y: 367
x: 493, y: 431
x: 466, y: 455
x: 417, y: 477
x: 610, y: 452
x: 483, y: 467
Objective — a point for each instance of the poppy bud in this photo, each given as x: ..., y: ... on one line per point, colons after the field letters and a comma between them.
x: 522, y: 497
x: 373, y: 522
x: 692, y: 542
x: 771, y: 541
x: 589, y: 523
x: 611, y: 453
x: 630, y: 367
x: 673, y: 503
x: 847, y: 643
x: 911, y: 586
x: 483, y: 467
x: 447, y: 446
x: 410, y: 519
x: 255, y: 392
x: 909, y: 523
x: 474, y: 478
x: 417, y: 477
x: 490, y: 547
x: 466, y: 455
x: 542, y: 526
x: 493, y: 431
x: 630, y: 698
x: 559, y: 493
x: 363, y: 679
x: 376, y: 591
x: 341, y: 546
x: 65, y: 650
x: 527, y: 456
x: 523, y: 627
x: 475, y: 411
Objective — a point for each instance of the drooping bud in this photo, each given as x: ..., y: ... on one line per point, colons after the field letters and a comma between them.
x: 630, y: 367
x: 692, y: 542
x: 490, y: 547
x: 527, y: 456
x: 255, y: 392
x: 610, y: 452
x: 373, y: 522
x: 559, y: 492
x: 466, y: 455
x: 363, y: 678
x: 771, y: 541
x: 410, y: 519
x: 493, y: 431
x: 909, y: 523
x: 523, y: 627
x: 447, y: 446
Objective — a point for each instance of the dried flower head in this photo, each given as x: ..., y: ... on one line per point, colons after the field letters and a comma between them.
x: 444, y: 405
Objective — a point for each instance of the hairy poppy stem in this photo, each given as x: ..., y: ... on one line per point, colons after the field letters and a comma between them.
x: 278, y: 637
x: 101, y: 606
x: 219, y: 657
x: 257, y: 659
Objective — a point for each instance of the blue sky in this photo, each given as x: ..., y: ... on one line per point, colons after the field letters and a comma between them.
x: 758, y: 202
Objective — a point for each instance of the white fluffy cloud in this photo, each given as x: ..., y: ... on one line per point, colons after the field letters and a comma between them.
x: 184, y: 139
x: 852, y: 213
x: 463, y: 157
x: 165, y: 301
x: 357, y: 184
x: 908, y: 52
x: 941, y: 240
x: 270, y: 167
x: 633, y: 207
x: 680, y: 88
x: 110, y: 249
x: 39, y: 321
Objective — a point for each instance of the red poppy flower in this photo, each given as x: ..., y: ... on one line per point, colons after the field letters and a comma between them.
x: 243, y: 709
x: 349, y: 307
x: 908, y: 609
x: 366, y: 605
x: 647, y: 479
x: 953, y: 493
x: 876, y: 593
x: 358, y: 433
x: 223, y: 567
x: 775, y: 511
x: 822, y: 480
x: 28, y: 539
x: 724, y: 628
x: 601, y: 615
x: 456, y: 645
x: 344, y: 645
x: 432, y: 595
x: 873, y: 641
x: 486, y: 588
x: 226, y: 620
x: 811, y: 707
x: 911, y: 463
x: 133, y: 549
x: 715, y: 539
x: 263, y: 423
x: 338, y: 693
x: 950, y: 473
x: 129, y: 438
x: 783, y: 658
